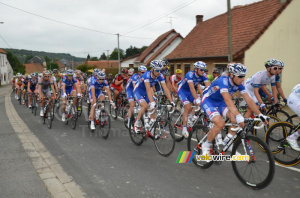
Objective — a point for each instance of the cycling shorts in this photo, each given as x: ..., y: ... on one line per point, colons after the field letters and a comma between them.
x: 98, y: 93
x: 46, y: 92
x: 69, y: 90
x: 213, y: 108
x: 130, y: 96
x: 185, y: 97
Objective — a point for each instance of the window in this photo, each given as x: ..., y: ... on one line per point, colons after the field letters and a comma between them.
x: 178, y: 66
x: 221, y: 67
x: 187, y: 68
x: 172, y: 69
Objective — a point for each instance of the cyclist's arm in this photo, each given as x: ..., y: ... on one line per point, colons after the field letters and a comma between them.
x: 192, y: 89
x: 229, y: 103
x: 149, y: 91
x: 77, y: 84
x: 264, y: 88
x: 40, y: 91
x: 93, y: 93
x: 54, y: 92
x: 118, y: 82
x: 256, y: 93
x: 108, y: 93
x: 274, y: 92
x: 207, y: 84
x: 167, y: 92
x: 199, y: 89
x: 29, y: 90
x: 64, y: 88
x: 279, y: 89
x: 251, y: 103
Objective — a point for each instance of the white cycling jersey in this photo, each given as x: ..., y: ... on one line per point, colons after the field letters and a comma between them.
x: 294, y: 100
x: 259, y: 79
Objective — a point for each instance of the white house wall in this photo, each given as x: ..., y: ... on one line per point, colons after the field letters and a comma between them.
x: 169, y: 49
x: 281, y: 41
x: 159, y: 46
x: 127, y: 62
x: 6, y: 71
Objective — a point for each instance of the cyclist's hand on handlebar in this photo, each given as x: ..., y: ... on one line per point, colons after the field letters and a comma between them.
x: 265, y: 119
x: 240, y: 120
x: 197, y: 101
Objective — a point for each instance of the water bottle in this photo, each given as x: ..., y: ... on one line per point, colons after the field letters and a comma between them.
x: 68, y: 108
x: 97, y: 113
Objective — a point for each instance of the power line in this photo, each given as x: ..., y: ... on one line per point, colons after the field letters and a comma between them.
x: 160, y: 17
x: 5, y: 41
x: 57, y: 20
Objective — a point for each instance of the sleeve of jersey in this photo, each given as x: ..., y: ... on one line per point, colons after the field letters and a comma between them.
x: 147, y: 77
x: 189, y: 77
x: 64, y: 81
x: 242, y: 88
x: 105, y: 84
x: 92, y: 84
x: 256, y: 81
x: 277, y: 78
x: 161, y: 78
x: 223, y: 84
x: 205, y: 79
x: 273, y: 82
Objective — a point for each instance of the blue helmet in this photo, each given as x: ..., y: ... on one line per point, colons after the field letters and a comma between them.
x: 101, y: 74
x: 281, y: 63
x: 95, y: 72
x: 199, y: 65
x: 165, y: 62
x: 237, y: 69
x: 272, y: 62
x: 70, y: 72
x: 156, y: 64
x: 142, y: 68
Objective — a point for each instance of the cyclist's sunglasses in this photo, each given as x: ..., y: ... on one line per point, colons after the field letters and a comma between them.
x: 275, y: 68
x: 101, y: 78
x: 241, y: 76
x: 142, y: 72
x: 157, y: 70
x: 202, y: 69
x: 47, y: 76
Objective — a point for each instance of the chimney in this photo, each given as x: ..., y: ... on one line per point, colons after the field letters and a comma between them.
x: 199, y: 18
x: 282, y: 1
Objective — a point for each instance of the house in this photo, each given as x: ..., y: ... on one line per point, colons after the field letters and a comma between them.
x: 61, y: 67
x: 33, y: 67
x: 39, y: 60
x: 260, y: 31
x: 103, y: 64
x: 6, y: 71
x: 159, y: 49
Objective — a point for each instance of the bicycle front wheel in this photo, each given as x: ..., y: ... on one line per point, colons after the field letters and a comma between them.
x: 176, y: 120
x: 136, y: 138
x: 258, y: 170
x: 276, y: 140
x: 48, y: 117
x: 73, y: 118
x: 104, y: 124
x: 164, y: 138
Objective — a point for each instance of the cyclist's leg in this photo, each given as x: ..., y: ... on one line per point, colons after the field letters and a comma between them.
x: 186, y: 100
x: 251, y: 95
x: 294, y: 104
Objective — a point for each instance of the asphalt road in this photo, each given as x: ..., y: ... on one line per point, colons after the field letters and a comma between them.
x: 117, y: 168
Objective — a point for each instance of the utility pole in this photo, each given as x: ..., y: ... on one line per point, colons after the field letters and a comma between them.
x: 107, y: 57
x: 171, y: 22
x: 229, y: 31
x: 119, y: 52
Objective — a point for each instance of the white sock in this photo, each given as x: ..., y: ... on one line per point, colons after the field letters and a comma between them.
x: 207, y: 144
x: 92, y: 122
x: 128, y: 122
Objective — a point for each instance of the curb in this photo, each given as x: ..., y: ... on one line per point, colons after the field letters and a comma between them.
x: 57, y: 182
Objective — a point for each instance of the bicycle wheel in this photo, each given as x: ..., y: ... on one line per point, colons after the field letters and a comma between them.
x: 176, y: 121
x: 197, y: 134
x: 26, y: 100
x: 49, y: 117
x: 20, y: 100
x: 125, y: 115
x: 114, y: 113
x: 294, y: 119
x: 79, y: 108
x: 104, y: 123
x: 276, y: 140
x: 165, y: 141
x: 258, y: 171
x: 137, y: 138
x: 282, y: 115
x: 52, y: 111
x: 73, y: 117
x: 262, y: 132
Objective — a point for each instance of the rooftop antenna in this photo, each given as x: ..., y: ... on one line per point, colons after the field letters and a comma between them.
x: 171, y: 21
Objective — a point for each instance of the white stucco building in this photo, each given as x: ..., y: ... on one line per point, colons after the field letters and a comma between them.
x: 6, y: 71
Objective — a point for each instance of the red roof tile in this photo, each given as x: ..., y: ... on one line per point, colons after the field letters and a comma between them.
x: 103, y: 64
x: 130, y: 57
x: 33, y: 67
x: 149, y: 49
x: 2, y: 51
x: 210, y: 38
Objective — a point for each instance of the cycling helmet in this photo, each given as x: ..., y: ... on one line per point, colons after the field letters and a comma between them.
x: 216, y: 70
x: 238, y: 69
x: 95, y: 72
x: 124, y: 71
x: 199, y: 65
x: 281, y: 63
x: 19, y: 75
x: 272, y: 62
x: 101, y: 74
x: 178, y: 71
x: 131, y: 71
x: 165, y: 62
x: 46, y: 72
x: 55, y: 71
x: 155, y: 64
x: 26, y: 78
x: 77, y: 71
x: 142, y: 68
x: 40, y: 74
x: 70, y: 72
x: 230, y: 64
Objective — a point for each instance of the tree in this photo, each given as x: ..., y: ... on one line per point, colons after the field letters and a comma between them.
x: 28, y: 58
x: 94, y: 59
x: 103, y: 57
x: 52, y: 66
x: 17, y: 66
x: 47, y: 59
x: 114, y: 54
x: 88, y: 57
x: 84, y: 68
x: 131, y: 51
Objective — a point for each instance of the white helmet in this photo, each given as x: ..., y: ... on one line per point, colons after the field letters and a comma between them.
x: 199, y: 65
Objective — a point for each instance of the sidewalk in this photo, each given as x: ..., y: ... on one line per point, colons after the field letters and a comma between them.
x: 18, y: 177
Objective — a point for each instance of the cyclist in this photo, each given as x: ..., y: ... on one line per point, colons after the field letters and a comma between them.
x: 45, y: 83
x: 19, y: 82
x: 216, y: 102
x: 129, y: 89
x: 187, y: 92
x: 294, y: 104
x: 13, y: 80
x: 166, y: 72
x: 24, y: 88
x: 96, y: 86
x: 32, y: 84
x: 117, y: 84
x: 57, y: 79
x: 70, y: 86
x: 174, y: 79
x: 143, y: 92
x: 261, y: 79
x: 216, y: 73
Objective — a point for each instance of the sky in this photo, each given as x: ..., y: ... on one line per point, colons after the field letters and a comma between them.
x: 22, y: 30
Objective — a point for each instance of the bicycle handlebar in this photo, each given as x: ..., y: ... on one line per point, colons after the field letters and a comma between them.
x: 247, y: 119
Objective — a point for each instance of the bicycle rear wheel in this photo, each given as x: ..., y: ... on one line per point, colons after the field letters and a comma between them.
x: 48, y: 117
x: 136, y: 138
x: 165, y: 141
x: 113, y: 113
x: 104, y: 123
x: 73, y: 117
x: 125, y: 115
x: 258, y: 171
x: 194, y: 138
x: 276, y: 140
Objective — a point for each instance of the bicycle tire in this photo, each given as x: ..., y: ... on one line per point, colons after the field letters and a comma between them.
x: 282, y: 115
x: 20, y: 100
x: 79, y: 112
x: 49, y: 118
x: 104, y: 120
x: 165, y: 144
x: 73, y: 117
x: 178, y: 136
x: 137, y: 139
x: 196, y: 134
x: 125, y: 115
x: 283, y: 153
x: 261, y: 133
x: 250, y: 181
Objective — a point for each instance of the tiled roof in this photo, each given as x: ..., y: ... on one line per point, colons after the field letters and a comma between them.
x: 130, y: 57
x: 2, y: 51
x: 60, y: 65
x: 149, y: 49
x: 33, y: 67
x: 210, y: 38
x: 103, y: 64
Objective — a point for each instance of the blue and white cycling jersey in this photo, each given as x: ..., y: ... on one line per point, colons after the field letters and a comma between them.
x: 259, y: 79
x: 132, y: 80
x: 212, y: 101
x: 98, y: 87
x: 146, y: 77
x: 191, y: 76
x: 69, y: 84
